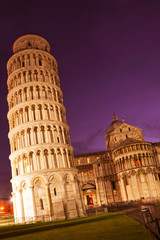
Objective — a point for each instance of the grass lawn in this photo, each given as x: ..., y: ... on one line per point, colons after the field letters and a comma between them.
x: 111, y: 226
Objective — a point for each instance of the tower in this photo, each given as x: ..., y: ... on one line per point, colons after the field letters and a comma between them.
x: 44, y: 179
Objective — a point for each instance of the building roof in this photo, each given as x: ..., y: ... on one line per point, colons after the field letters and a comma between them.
x: 129, y: 141
x: 156, y: 143
x: 90, y: 154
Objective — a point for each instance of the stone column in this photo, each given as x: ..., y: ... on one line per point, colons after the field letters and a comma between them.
x: 157, y: 184
x: 48, y: 135
x: 139, y: 186
x: 105, y: 191
x: 80, y: 194
x: 21, y: 207
x: 123, y: 190
x: 57, y: 160
x: 67, y: 158
x: 131, y: 187
x: 33, y: 203
x: 97, y: 191
x: 148, y: 187
x: 76, y: 197
x: 64, y: 198
x: 49, y: 201
x: 14, y: 207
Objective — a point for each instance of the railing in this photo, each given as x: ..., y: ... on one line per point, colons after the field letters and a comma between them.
x: 140, y: 214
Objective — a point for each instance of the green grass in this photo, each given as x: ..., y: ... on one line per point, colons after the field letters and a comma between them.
x: 111, y: 226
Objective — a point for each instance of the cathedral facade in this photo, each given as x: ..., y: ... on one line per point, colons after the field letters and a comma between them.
x: 128, y: 170
x: 44, y: 179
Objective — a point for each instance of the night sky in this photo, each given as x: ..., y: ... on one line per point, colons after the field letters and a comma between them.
x: 108, y: 54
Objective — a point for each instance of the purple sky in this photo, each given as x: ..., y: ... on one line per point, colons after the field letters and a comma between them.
x: 108, y: 54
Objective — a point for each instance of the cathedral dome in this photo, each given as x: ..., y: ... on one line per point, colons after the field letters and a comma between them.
x: 115, y: 124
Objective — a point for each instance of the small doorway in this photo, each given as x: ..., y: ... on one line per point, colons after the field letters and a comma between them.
x: 89, y: 200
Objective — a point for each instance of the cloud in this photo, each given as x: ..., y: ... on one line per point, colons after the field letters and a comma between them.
x: 152, y: 130
x: 89, y: 144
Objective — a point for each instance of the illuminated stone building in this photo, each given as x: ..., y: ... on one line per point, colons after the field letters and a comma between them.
x: 44, y: 179
x: 128, y: 170
x: 45, y: 182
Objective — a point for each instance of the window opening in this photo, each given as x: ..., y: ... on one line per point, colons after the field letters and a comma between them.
x: 113, y: 185
x: 55, y: 192
x: 41, y: 204
x: 40, y: 63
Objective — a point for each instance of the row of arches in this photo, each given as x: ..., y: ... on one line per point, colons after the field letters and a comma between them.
x: 31, y: 59
x: 38, y: 180
x: 104, y: 168
x: 39, y: 135
x: 35, y: 93
x: 138, y: 171
x: 36, y: 75
x: 140, y: 183
x: 40, y: 160
x: 36, y: 112
x: 135, y: 161
x: 131, y: 148
x: 47, y: 196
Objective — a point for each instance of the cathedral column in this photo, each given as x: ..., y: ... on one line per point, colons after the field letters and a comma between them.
x: 98, y: 192
x: 139, y: 186
x: 123, y: 190
x: 147, y: 184
x: 154, y: 182
x: 105, y: 191
x: 131, y: 187
x: 157, y: 184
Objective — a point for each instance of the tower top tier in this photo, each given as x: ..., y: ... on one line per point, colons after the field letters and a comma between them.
x: 31, y: 41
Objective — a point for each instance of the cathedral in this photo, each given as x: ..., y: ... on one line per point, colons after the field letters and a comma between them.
x: 129, y: 169
x: 48, y: 181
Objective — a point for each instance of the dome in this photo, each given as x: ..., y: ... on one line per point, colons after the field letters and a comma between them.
x: 115, y: 124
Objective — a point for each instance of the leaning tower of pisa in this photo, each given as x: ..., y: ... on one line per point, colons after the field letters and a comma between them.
x: 44, y: 180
